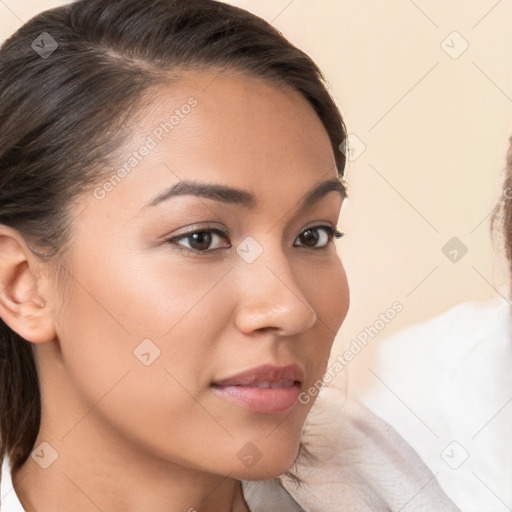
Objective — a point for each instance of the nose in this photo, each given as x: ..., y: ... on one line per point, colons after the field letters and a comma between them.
x: 270, y: 298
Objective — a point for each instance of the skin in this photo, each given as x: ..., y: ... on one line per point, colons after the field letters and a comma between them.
x: 132, y: 437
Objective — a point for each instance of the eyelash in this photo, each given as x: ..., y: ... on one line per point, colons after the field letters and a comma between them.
x: 331, y: 233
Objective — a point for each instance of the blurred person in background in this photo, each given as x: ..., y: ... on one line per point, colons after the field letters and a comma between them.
x: 445, y: 384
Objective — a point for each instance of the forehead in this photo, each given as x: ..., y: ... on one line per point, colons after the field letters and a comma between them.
x: 224, y: 128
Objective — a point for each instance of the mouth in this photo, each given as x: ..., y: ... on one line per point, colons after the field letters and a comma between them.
x: 266, y: 389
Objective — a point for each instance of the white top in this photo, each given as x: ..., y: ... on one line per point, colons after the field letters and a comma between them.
x: 445, y: 385
x: 364, y: 466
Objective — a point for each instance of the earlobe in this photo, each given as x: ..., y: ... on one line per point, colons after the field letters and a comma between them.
x: 22, y: 307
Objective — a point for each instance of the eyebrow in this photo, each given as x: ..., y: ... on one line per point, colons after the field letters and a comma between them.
x: 239, y: 197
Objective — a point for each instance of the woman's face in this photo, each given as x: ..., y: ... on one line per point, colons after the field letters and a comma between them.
x: 147, y: 328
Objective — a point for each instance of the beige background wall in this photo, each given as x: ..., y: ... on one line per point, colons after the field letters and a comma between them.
x: 434, y: 120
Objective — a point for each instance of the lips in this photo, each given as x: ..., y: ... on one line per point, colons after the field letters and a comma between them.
x: 267, y: 389
x: 263, y: 374
x: 275, y: 385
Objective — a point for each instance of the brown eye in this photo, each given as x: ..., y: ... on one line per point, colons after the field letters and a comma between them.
x: 200, y: 242
x: 310, y: 237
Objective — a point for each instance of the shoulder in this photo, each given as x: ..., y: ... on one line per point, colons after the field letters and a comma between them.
x: 454, y: 331
x: 443, y: 359
x: 429, y: 353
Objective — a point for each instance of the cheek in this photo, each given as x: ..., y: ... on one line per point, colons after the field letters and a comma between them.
x: 136, y: 384
x: 134, y: 339
x: 336, y: 299
x: 156, y: 298
x: 116, y: 313
x: 326, y: 289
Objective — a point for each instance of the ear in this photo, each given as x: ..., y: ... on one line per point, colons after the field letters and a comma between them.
x: 23, y: 306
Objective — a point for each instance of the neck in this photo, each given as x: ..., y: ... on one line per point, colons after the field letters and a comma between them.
x: 93, y: 478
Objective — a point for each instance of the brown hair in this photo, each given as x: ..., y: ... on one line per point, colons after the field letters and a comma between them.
x: 70, y: 80
x: 501, y: 218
